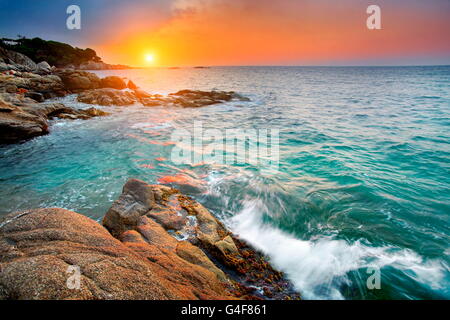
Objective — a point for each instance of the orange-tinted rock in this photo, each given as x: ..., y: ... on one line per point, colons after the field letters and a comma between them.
x: 114, y: 82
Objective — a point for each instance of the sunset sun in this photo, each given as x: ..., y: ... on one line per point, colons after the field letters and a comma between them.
x: 149, y: 58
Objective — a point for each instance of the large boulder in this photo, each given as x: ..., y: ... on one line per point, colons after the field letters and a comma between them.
x: 76, y: 80
x: 143, y: 212
x: 17, y: 124
x: 60, y: 254
x: 41, y: 249
x: 113, y: 82
x: 107, y: 97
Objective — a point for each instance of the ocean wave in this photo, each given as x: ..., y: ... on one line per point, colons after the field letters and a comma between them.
x: 318, y: 268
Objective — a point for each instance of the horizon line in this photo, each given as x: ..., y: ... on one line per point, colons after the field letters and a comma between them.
x: 293, y: 66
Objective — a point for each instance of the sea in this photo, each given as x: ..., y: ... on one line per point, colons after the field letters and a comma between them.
x: 355, y: 203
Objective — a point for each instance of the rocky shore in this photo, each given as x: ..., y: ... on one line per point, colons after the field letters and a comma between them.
x: 25, y: 86
x: 154, y: 243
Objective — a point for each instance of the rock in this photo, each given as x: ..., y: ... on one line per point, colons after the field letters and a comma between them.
x: 21, y: 118
x: 43, y: 68
x: 142, y: 214
x: 199, y: 98
x: 140, y: 94
x: 93, y: 112
x: 61, y: 111
x: 138, y: 259
x: 107, y: 97
x: 196, y: 256
x: 20, y: 61
x: 33, y: 83
x: 113, y: 82
x: 77, y: 81
x: 17, y: 124
x: 38, y: 248
x: 136, y: 200
x: 38, y: 97
x: 227, y: 246
x: 131, y: 85
x: 151, y: 102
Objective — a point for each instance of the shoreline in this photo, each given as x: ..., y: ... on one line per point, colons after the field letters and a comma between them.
x: 151, y: 234
x: 226, y: 264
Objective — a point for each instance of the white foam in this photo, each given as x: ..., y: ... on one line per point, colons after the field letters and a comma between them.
x: 318, y: 268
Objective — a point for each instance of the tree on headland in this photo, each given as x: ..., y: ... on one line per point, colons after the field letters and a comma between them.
x: 55, y: 53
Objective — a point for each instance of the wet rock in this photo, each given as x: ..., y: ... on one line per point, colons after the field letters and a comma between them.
x: 140, y: 216
x: 113, y: 82
x: 93, y: 112
x: 209, y: 97
x: 187, y: 98
x: 107, y: 97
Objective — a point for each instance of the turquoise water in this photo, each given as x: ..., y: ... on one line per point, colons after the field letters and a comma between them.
x: 363, y: 178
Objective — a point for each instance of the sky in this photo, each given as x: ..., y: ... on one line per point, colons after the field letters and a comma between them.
x: 241, y: 32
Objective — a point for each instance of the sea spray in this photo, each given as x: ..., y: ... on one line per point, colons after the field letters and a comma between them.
x: 318, y: 268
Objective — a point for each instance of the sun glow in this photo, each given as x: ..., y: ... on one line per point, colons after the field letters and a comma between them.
x: 150, y: 58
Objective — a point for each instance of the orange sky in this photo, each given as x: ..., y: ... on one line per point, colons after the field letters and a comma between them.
x: 250, y: 32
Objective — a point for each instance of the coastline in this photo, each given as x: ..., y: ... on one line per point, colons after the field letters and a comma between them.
x: 153, y: 243
x: 212, y: 262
